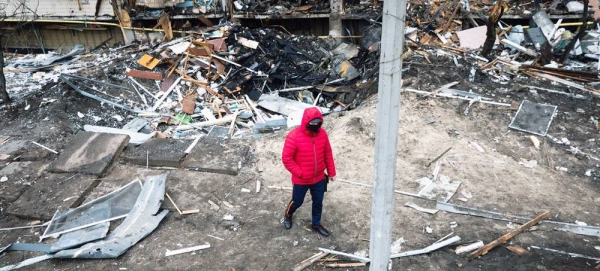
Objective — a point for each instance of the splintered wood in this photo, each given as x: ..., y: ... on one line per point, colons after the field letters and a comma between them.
x: 306, y: 263
x: 187, y: 212
x: 344, y: 265
x: 484, y: 250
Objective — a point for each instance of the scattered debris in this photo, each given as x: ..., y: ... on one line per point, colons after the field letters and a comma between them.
x: 570, y: 254
x: 306, y: 263
x: 418, y: 208
x: 442, y: 189
x: 536, y: 142
x: 468, y: 248
x: 428, y: 230
x: 438, y: 157
x: 528, y: 164
x: 433, y: 247
x: 484, y: 250
x: 344, y: 265
x: 187, y: 212
x: 533, y: 118
x: 354, y: 257
x: 186, y: 250
x: 397, y: 246
x: 560, y: 226
x: 477, y: 146
x: 518, y: 250
x: 48, y: 149
x: 140, y: 221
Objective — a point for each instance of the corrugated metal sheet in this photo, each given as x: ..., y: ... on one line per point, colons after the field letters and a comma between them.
x: 57, y: 38
x: 58, y: 8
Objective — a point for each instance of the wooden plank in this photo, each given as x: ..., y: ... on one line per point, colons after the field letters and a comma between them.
x: 148, y: 61
x: 484, y: 250
x: 205, y: 20
x: 306, y: 263
x: 4, y: 139
x: 159, y: 102
x: 351, y: 256
x: 489, y: 64
x: 145, y: 75
x: 449, y: 22
x: 344, y: 265
x: 248, y: 43
x: 438, y: 157
x: 173, y: 202
x: 518, y: 250
x: 187, y: 212
x: 563, y: 81
x: 186, y: 250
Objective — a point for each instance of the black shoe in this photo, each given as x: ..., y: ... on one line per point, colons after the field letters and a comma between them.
x: 287, y: 222
x: 321, y: 230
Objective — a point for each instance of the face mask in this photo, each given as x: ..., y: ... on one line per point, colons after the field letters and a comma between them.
x: 314, y: 125
x: 314, y: 128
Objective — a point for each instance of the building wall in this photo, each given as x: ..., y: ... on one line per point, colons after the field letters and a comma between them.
x: 153, y: 3
x: 58, y: 8
x: 53, y: 39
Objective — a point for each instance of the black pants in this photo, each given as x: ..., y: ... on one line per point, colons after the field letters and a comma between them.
x: 317, y: 192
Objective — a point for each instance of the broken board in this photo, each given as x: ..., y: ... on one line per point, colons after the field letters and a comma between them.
x: 51, y: 192
x: 21, y: 175
x: 217, y: 156
x: 157, y: 152
x: 533, y: 118
x: 90, y: 153
x: 440, y: 190
x: 473, y: 38
x: 148, y: 61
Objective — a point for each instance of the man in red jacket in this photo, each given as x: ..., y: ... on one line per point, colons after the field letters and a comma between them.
x: 306, y: 155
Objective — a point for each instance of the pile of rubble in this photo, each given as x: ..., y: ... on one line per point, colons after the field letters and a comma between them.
x: 246, y: 81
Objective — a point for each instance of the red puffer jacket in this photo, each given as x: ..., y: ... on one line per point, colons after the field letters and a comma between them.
x: 305, y: 154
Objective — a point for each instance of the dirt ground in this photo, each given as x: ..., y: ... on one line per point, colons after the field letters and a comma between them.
x: 256, y: 240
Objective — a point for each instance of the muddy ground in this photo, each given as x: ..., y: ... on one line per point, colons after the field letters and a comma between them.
x: 256, y: 240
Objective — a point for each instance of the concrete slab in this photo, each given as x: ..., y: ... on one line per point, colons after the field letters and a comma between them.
x: 53, y: 192
x: 159, y: 152
x: 21, y: 175
x: 90, y: 153
x: 13, y: 147
x: 217, y: 156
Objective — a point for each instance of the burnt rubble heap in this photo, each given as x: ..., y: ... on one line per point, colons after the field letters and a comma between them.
x: 227, y: 75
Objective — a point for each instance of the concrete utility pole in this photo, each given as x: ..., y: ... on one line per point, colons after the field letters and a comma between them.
x: 388, y: 114
x: 335, y: 18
